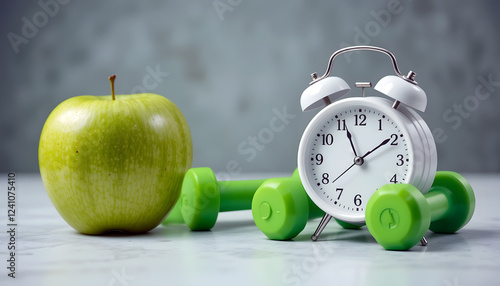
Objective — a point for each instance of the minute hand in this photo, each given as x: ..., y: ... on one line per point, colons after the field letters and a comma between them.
x: 380, y: 145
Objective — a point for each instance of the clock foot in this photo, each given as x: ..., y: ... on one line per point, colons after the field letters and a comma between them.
x: 322, y: 224
x: 423, y: 241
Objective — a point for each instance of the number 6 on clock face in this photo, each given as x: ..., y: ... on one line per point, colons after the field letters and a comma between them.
x: 356, y: 145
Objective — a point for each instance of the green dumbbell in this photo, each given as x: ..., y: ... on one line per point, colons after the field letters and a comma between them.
x: 399, y: 215
x: 281, y: 208
x: 203, y: 197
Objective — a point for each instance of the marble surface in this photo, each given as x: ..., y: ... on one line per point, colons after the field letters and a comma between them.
x: 235, y: 252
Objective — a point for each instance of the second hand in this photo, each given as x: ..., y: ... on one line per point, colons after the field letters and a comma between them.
x: 343, y: 172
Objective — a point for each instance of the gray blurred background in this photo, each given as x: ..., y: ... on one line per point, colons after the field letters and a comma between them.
x: 232, y: 66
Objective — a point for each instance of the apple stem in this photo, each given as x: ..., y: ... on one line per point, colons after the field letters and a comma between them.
x: 112, y: 80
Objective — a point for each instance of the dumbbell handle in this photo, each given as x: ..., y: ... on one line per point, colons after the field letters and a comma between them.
x: 237, y: 195
x: 203, y: 197
x: 234, y: 196
x: 439, y: 200
x: 314, y: 210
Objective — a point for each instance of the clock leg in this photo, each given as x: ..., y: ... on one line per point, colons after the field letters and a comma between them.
x: 322, y: 224
x: 423, y: 241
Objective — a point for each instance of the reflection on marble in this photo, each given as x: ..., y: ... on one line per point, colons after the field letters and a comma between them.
x: 236, y: 252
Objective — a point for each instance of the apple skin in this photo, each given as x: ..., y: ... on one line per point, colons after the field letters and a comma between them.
x: 115, y: 165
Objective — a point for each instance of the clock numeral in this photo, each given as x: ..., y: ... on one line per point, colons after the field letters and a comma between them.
x: 400, y: 160
x: 340, y: 194
x: 394, y: 179
x: 319, y: 159
x: 380, y: 125
x: 357, y: 200
x: 325, y: 179
x: 327, y: 139
x: 340, y: 124
x: 394, y: 138
x: 361, y: 118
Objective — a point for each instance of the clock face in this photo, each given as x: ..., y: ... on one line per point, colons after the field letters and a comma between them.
x: 350, y: 149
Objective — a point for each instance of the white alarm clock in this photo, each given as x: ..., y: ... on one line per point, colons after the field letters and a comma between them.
x: 356, y: 145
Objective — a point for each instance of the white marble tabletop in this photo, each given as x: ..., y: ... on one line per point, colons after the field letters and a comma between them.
x: 235, y: 252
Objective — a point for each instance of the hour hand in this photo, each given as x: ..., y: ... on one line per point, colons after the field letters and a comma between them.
x: 349, y: 136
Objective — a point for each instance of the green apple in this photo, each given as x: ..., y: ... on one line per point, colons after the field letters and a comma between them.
x: 114, y: 163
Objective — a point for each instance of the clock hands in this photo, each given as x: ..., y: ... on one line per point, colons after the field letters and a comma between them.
x: 360, y: 160
x: 349, y: 136
x: 344, y: 172
x: 380, y: 145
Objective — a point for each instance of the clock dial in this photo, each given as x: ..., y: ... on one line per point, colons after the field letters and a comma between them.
x: 348, y: 152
